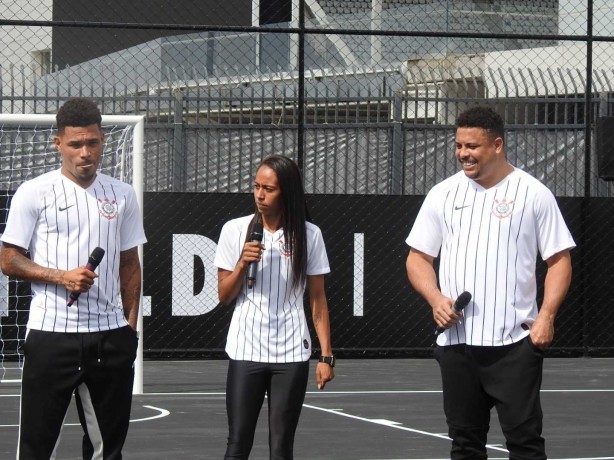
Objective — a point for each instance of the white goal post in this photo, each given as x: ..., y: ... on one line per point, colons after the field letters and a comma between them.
x: 128, y: 151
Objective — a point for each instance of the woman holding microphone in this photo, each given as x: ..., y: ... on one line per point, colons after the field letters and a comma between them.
x: 268, y: 341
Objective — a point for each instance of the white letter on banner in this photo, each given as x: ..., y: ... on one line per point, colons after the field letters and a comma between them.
x: 185, y: 302
x: 359, y: 273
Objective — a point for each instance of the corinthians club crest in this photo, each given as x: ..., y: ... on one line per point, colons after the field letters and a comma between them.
x: 502, y: 208
x: 107, y: 208
x: 285, y: 248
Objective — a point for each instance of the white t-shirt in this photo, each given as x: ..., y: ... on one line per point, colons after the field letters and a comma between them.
x: 489, y: 240
x: 60, y: 223
x: 268, y: 324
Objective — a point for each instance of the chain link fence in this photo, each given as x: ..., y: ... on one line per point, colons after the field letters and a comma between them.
x: 363, y: 94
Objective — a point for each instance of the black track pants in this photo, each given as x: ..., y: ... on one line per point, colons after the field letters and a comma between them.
x: 100, y: 365
x: 475, y: 379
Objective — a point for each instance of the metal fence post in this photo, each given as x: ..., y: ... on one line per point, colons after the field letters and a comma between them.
x: 396, y: 146
x: 178, y: 152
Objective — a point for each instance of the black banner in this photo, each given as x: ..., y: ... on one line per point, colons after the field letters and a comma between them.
x: 373, y: 308
x: 374, y: 311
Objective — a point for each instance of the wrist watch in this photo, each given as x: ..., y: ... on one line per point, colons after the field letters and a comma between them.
x: 330, y: 360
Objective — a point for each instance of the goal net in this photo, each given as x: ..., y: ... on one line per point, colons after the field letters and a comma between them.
x: 26, y: 151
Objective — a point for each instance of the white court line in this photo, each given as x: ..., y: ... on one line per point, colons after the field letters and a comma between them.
x: 397, y: 425
x: 162, y: 413
x: 388, y: 423
x: 358, y: 393
x: 374, y: 392
x: 391, y: 424
x: 329, y: 392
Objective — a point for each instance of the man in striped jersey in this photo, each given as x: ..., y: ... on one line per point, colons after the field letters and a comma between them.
x: 89, y: 346
x: 487, y: 223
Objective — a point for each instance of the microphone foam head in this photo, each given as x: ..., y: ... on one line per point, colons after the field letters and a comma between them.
x: 257, y: 231
x: 97, y: 255
x: 463, y: 299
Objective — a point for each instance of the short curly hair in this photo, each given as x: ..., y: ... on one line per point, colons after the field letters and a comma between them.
x: 78, y: 111
x: 482, y: 117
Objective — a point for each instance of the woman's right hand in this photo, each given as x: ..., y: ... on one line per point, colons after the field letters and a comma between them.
x: 229, y: 283
x: 252, y: 252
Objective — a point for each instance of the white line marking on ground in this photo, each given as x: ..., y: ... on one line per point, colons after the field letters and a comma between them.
x: 359, y: 393
x: 162, y: 413
x: 399, y: 426
x: 390, y: 424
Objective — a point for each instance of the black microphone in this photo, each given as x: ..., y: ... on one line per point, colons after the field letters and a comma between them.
x: 257, y: 234
x: 93, y: 262
x: 461, y: 302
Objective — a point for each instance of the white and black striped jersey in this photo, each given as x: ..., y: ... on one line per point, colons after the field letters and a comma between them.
x: 489, y: 241
x: 268, y: 324
x: 60, y: 223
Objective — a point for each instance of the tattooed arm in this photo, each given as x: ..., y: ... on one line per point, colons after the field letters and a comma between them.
x: 130, y: 284
x: 15, y: 263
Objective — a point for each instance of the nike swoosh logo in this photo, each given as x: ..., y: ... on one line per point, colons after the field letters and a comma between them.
x: 65, y: 207
x: 457, y: 208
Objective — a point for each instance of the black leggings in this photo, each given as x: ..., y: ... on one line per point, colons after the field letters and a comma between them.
x: 247, y: 383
